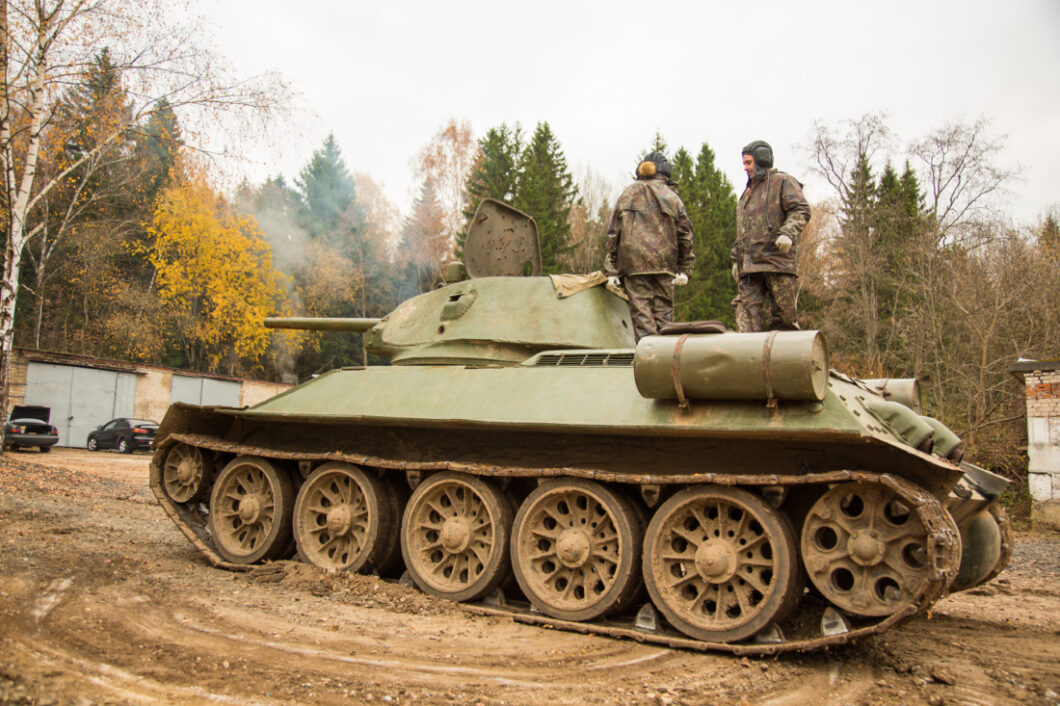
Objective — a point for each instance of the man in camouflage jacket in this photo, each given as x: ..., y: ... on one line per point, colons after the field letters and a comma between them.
x: 649, y: 245
x: 769, y: 218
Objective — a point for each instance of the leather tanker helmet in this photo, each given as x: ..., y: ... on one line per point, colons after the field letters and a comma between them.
x: 655, y: 163
x: 762, y: 153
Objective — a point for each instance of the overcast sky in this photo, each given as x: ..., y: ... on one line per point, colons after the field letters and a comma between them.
x: 385, y: 76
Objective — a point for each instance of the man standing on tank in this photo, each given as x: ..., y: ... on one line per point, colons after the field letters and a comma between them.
x: 770, y: 216
x: 649, y: 245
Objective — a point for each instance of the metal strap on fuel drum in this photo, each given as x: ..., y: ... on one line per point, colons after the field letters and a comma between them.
x: 767, y: 352
x: 676, y: 372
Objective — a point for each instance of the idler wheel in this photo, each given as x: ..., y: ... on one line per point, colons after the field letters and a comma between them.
x: 720, y: 563
x: 576, y: 549
x: 184, y: 474
x: 865, y: 549
x: 344, y: 519
x: 1004, y: 526
x: 250, y: 511
x: 455, y: 534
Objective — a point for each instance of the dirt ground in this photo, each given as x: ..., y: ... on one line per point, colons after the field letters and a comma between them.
x: 103, y: 601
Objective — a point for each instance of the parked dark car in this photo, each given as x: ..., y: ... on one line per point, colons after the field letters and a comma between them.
x: 29, y: 426
x: 124, y: 434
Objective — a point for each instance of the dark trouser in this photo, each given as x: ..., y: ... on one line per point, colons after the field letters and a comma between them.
x: 756, y: 290
x: 651, y: 302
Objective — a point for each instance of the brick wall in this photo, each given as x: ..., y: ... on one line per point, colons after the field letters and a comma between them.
x: 254, y: 391
x: 16, y: 391
x: 1043, y: 394
x: 152, y: 393
x: 1042, y: 390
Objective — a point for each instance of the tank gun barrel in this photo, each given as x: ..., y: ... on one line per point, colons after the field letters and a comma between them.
x: 309, y: 323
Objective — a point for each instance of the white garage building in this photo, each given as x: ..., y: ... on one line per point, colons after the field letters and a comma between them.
x: 85, y: 392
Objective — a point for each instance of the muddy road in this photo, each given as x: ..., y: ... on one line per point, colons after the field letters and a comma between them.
x: 103, y: 601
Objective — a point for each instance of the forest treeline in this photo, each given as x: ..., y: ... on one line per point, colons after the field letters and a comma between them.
x: 911, y: 267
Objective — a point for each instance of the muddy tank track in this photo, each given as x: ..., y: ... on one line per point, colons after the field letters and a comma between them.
x: 817, y: 625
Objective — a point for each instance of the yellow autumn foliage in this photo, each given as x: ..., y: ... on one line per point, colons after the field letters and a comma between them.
x: 215, y: 276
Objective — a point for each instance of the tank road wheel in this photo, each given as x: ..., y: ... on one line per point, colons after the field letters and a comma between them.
x: 576, y: 549
x: 250, y: 511
x: 184, y: 474
x: 721, y: 563
x: 865, y: 550
x: 344, y: 518
x: 455, y: 535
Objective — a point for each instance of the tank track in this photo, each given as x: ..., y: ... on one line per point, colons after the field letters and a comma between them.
x: 831, y: 628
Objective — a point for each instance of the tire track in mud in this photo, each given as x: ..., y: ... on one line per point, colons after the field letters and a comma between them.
x: 144, y: 620
x: 836, y: 685
x: 117, y: 683
x: 114, y: 620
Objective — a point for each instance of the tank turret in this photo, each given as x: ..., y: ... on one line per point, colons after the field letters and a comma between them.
x: 502, y: 313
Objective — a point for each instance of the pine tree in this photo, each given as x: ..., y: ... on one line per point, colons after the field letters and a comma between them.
x: 856, y: 312
x: 711, y: 204
x: 912, y: 197
x: 325, y: 189
x: 157, y: 145
x: 1049, y: 235
x: 91, y: 108
x: 546, y: 191
x: 859, y: 203
x: 496, y: 175
x: 343, y: 274
x: 684, y: 177
x: 658, y: 144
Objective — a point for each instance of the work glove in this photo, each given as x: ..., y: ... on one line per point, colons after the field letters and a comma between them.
x: 681, y: 279
x: 735, y: 273
x: 783, y: 243
x: 612, y: 281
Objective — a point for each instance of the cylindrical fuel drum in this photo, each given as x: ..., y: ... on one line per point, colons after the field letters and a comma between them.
x: 783, y: 365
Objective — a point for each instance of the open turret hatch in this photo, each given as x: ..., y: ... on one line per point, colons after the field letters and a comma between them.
x: 501, y: 242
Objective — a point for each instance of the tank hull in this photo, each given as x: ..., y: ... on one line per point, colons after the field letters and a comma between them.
x: 508, y: 427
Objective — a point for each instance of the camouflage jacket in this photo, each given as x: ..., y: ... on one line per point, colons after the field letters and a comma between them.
x: 769, y: 207
x: 649, y: 232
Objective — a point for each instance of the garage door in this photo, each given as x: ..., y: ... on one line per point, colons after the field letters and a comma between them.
x: 80, y: 398
x: 204, y: 391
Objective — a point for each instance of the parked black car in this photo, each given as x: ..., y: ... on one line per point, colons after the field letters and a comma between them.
x: 29, y: 426
x: 124, y: 434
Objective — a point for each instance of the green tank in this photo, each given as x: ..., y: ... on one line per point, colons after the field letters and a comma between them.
x: 703, y: 489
